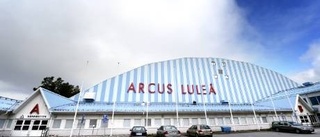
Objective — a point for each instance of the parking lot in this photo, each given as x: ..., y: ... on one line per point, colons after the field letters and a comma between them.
x: 244, y: 134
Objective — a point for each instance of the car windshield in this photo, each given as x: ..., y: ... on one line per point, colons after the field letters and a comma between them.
x: 170, y: 128
x: 295, y: 124
x: 204, y: 127
x: 138, y: 128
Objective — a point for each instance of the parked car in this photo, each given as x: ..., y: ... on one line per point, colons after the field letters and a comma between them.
x: 138, y: 131
x: 168, y: 131
x: 290, y: 126
x: 199, y: 130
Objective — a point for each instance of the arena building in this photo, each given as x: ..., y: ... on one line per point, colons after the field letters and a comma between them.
x: 181, y: 92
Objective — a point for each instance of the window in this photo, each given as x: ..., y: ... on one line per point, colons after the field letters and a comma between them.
x: 250, y: 120
x: 204, y: 127
x: 1, y: 123
x: 220, y: 121
x: 23, y: 125
x: 203, y: 121
x: 185, y: 122
x: 194, y: 121
x: 126, y: 123
x: 236, y: 120
x: 36, y: 125
x: 69, y: 123
x: 243, y: 120
x: 104, y: 123
x: 157, y: 122
x: 167, y: 121
x: 18, y: 125
x: 9, y: 123
x: 212, y: 121
x: 226, y: 76
x: 194, y: 127
x: 314, y: 101
x: 39, y: 124
x: 43, y: 125
x: 56, y: 123
x: 312, y: 118
x: 137, y: 122
x: 269, y: 119
x: 227, y: 120
x: 264, y: 120
x: 93, y: 123
x: 81, y: 123
x: 148, y: 122
x: 215, y: 76
x: 26, y: 125
x: 304, y: 119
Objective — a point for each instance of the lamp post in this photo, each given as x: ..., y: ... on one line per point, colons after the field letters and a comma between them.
x: 145, y: 111
x: 93, y: 129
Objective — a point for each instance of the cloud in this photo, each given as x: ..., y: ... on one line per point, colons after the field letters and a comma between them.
x: 57, y: 38
x: 313, y: 72
x: 11, y: 91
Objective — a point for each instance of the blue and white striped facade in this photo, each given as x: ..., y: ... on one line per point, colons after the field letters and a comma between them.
x: 168, y: 81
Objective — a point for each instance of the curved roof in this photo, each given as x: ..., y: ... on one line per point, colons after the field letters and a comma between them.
x: 185, y: 79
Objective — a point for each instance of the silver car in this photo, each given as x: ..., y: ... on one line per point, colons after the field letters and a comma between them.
x: 199, y: 130
x: 168, y: 131
x: 291, y: 126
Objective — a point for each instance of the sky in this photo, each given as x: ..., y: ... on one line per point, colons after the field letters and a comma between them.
x: 85, y: 42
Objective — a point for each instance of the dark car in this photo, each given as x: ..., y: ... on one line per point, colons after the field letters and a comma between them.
x: 290, y: 126
x: 138, y: 131
x: 168, y: 131
x: 199, y: 130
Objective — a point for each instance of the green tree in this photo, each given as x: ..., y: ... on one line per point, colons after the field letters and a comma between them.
x: 59, y: 86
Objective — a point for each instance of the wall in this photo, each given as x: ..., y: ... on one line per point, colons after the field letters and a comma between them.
x: 118, y: 126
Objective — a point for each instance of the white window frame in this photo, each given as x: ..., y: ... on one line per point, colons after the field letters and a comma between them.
x: 68, y: 123
x: 55, y: 123
x: 93, y: 123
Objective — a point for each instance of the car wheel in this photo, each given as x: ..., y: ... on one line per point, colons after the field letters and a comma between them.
x: 298, y: 131
x: 188, y: 134
x: 277, y: 129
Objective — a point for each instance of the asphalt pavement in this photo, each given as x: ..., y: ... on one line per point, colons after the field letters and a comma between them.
x: 247, y: 134
x: 268, y: 134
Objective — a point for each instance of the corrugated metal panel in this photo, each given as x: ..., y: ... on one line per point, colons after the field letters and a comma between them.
x: 7, y: 104
x: 183, y: 79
